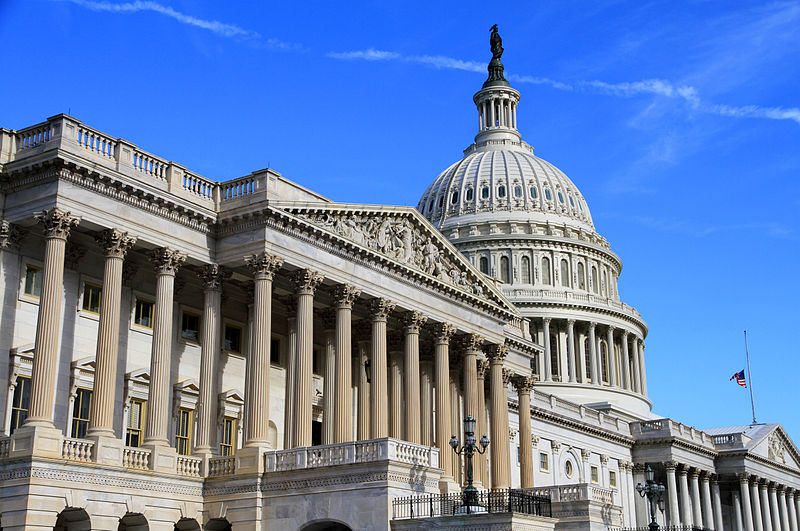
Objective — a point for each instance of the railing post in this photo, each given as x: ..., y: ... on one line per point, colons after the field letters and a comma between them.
x: 123, y: 154
x: 175, y: 174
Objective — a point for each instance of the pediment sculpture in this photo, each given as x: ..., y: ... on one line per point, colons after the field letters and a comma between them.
x: 776, y: 449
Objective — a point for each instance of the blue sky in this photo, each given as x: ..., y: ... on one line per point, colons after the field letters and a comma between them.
x: 679, y: 122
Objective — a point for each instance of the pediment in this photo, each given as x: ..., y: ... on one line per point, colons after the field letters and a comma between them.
x: 232, y: 395
x: 402, y: 238
x: 139, y: 375
x: 189, y: 385
x: 777, y: 447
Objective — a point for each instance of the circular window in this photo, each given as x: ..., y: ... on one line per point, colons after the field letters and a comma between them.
x: 548, y: 195
x: 533, y: 192
x: 560, y: 197
x: 568, y: 469
x: 469, y: 194
x: 501, y: 192
x: 517, y: 191
x: 485, y: 192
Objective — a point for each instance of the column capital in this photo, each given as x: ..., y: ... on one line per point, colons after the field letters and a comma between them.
x: 10, y: 234
x: 167, y: 261
x: 772, y: 486
x: 743, y: 477
x: 571, y: 322
x: 381, y: 308
x: 586, y: 453
x: 496, y: 353
x: 483, y: 368
x: 639, y: 468
x: 671, y: 465
x: 683, y: 470
x: 611, y: 329
x: 508, y: 374
x: 546, y: 320
x: 413, y: 320
x: 471, y: 342
x: 344, y: 295
x: 603, y: 459
x: 592, y: 325
x: 263, y: 265
x: 212, y: 275
x: 523, y: 384
x: 625, y: 334
x: 694, y: 473
x: 306, y: 282
x: 781, y: 489
x: 115, y: 243
x: 443, y: 332
x: 57, y: 223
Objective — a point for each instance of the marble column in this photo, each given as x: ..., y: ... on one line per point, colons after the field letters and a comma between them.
x: 413, y: 320
x: 57, y: 226
x: 694, y: 489
x: 738, y: 521
x: 783, y: 508
x: 626, y: 362
x: 642, y: 371
x: 524, y: 386
x: 212, y: 276
x: 167, y: 262
x: 612, y: 357
x: 747, y: 507
x: 637, y: 374
x: 773, y: 507
x: 344, y: 296
x: 572, y: 366
x: 548, y: 350
x: 672, y: 493
x: 686, y: 502
x: 717, y: 502
x: 472, y: 344
x: 593, y: 355
x: 797, y: 506
x: 379, y: 403
x: 115, y: 245
x: 263, y: 267
x: 364, y: 331
x: 442, y: 332
x: 396, y: 389
x: 328, y: 384
x: 289, y: 417
x: 631, y: 494
x: 426, y: 399
x: 455, y: 412
x: 501, y: 465
x: 791, y: 509
x: 766, y: 514
x: 708, y: 511
x: 483, y: 423
x: 755, y: 505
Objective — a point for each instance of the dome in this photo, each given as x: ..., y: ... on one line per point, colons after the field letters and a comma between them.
x: 507, y: 182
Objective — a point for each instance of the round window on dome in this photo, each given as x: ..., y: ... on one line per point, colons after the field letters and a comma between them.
x: 517, y: 192
x: 469, y: 194
x: 571, y: 202
x: 485, y: 192
x: 560, y: 197
x: 534, y: 194
x: 501, y: 192
x: 454, y: 199
x: 548, y: 195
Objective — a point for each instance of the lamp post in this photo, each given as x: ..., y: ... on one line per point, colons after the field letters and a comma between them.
x: 654, y: 493
x: 468, y: 450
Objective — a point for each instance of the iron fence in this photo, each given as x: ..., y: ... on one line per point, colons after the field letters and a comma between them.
x: 661, y: 528
x: 482, y: 502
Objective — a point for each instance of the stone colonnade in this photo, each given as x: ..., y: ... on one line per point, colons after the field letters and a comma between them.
x: 763, y: 505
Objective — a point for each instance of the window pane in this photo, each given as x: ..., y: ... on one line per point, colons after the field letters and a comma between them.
x: 144, y: 313
x: 233, y: 338
x: 20, y: 402
x: 33, y: 281
x: 91, y: 298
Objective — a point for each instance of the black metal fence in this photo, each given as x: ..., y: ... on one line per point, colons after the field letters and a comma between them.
x: 661, y: 528
x: 488, y: 501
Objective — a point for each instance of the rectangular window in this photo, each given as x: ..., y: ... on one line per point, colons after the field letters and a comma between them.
x: 544, y: 465
x: 33, y: 281
x: 612, y: 478
x: 143, y: 314
x: 183, y: 432
x: 21, y: 402
x: 233, y: 338
x: 594, y: 474
x: 91, y: 297
x: 275, y: 352
x: 228, y: 444
x: 135, y: 433
x: 80, y: 413
x: 317, y: 362
x: 190, y: 326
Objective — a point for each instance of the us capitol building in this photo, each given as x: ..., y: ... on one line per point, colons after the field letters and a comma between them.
x: 182, y: 353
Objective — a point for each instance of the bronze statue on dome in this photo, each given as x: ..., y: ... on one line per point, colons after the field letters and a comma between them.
x: 496, y: 65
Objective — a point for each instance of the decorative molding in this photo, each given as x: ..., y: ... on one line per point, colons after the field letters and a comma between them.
x: 413, y: 321
x: 263, y: 265
x: 57, y: 223
x: 381, y: 308
x: 212, y: 275
x: 344, y: 295
x: 167, y: 261
x: 115, y: 243
x: 306, y: 281
x: 496, y: 353
x: 10, y: 235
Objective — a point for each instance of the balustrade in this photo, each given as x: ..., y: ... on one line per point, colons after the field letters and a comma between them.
x: 138, y: 458
x: 96, y: 142
x: 77, y: 450
x: 189, y: 466
x: 199, y: 186
x: 149, y: 165
x: 221, y: 466
x: 34, y: 136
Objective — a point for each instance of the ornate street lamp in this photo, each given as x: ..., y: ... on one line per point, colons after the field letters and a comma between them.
x: 654, y: 493
x: 468, y: 450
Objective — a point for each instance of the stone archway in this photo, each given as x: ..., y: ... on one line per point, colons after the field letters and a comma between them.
x: 133, y: 522
x: 73, y: 519
x: 187, y: 524
x: 325, y: 525
x: 215, y: 524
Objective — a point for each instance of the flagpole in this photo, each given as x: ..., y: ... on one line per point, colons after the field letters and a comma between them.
x: 750, y: 378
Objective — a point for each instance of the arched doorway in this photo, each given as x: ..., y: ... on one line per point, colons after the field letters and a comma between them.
x: 187, y: 524
x: 215, y: 524
x: 73, y: 519
x: 133, y: 522
x: 325, y: 525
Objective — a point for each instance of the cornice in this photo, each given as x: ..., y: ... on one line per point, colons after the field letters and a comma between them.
x: 673, y: 442
x: 523, y: 303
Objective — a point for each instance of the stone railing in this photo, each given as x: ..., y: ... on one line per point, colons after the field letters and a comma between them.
x: 77, y: 450
x: 189, y: 466
x: 567, y: 296
x: 138, y: 458
x: 576, y: 492
x: 730, y: 440
x: 661, y: 428
x: 577, y: 411
x: 70, y: 135
x: 352, y: 452
x: 5, y: 447
x: 221, y: 466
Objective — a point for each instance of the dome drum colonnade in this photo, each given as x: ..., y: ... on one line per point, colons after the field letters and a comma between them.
x: 385, y: 412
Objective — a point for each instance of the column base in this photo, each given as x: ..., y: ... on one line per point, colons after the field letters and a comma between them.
x: 448, y: 485
x: 250, y: 459
x: 37, y: 441
x: 107, y: 449
x: 162, y: 458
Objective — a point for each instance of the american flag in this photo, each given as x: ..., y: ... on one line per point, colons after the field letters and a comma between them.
x: 739, y: 376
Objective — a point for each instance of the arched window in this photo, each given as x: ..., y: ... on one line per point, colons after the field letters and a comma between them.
x: 594, y: 279
x: 505, y: 273
x: 470, y: 193
x: 560, y: 198
x: 581, y: 276
x: 485, y: 192
x: 606, y: 290
x: 565, y: 273
x: 484, y: 265
x: 501, y: 191
x: 547, y: 194
x: 534, y: 193
x: 587, y: 360
x: 525, y: 269
x: 430, y: 206
x: 441, y: 201
x: 454, y: 199
x: 554, y: 366
x: 517, y: 191
x: 604, y: 361
x: 571, y: 202
x: 546, y: 273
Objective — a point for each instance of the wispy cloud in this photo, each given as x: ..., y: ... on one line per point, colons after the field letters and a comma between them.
x: 754, y: 111
x: 436, y: 61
